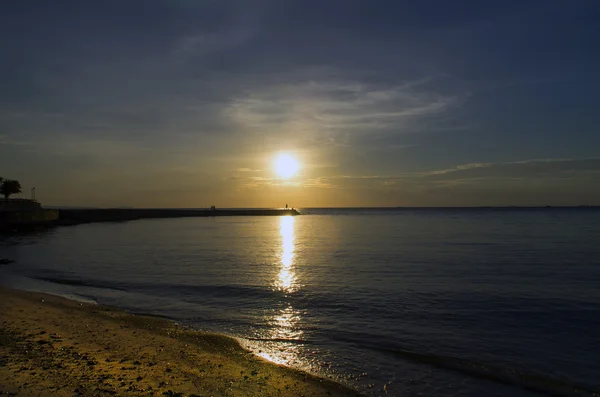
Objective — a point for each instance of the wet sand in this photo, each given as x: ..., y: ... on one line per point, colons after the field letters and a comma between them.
x: 51, y: 346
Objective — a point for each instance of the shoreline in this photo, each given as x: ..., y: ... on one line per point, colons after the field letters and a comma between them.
x: 51, y: 345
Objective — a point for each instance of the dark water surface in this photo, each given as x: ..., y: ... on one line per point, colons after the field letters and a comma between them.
x: 501, y: 302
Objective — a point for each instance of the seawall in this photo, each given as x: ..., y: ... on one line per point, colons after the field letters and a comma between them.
x: 77, y: 216
x: 23, y: 214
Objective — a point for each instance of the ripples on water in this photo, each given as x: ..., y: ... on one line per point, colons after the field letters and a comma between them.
x: 445, y: 302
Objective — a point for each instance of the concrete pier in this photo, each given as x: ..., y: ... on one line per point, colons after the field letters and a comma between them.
x: 77, y: 216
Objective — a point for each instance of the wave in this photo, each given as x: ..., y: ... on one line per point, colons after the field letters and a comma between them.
x: 170, y: 289
x: 216, y: 291
x: 527, y: 380
x: 78, y: 282
x: 281, y: 340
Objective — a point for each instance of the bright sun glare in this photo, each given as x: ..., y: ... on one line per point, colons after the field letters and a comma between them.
x: 286, y: 166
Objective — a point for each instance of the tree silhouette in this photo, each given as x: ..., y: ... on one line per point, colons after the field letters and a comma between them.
x: 8, y: 187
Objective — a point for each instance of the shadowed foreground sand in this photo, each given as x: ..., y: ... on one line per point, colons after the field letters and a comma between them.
x: 50, y: 346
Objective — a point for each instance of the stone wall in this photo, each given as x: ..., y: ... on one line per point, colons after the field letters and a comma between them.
x: 12, y: 205
x: 22, y: 217
x: 21, y: 214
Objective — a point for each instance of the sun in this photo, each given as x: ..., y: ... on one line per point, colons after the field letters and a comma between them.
x: 286, y: 165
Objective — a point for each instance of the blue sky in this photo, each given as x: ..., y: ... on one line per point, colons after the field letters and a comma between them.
x: 185, y: 103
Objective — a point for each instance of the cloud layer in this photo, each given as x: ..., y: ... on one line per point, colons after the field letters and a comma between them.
x: 108, y: 103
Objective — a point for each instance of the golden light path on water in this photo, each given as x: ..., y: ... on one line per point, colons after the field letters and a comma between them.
x: 287, y: 278
x: 284, y: 323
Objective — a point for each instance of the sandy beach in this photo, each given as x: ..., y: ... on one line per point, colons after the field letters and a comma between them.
x: 52, y: 346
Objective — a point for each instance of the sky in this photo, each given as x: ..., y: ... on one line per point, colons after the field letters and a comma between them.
x: 185, y: 103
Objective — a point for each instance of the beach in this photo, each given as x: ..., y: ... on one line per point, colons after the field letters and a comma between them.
x: 50, y: 345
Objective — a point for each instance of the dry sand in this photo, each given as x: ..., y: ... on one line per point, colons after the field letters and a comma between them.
x: 51, y: 346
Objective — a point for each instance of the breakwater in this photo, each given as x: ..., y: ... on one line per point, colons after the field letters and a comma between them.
x: 77, y: 216
x: 23, y: 214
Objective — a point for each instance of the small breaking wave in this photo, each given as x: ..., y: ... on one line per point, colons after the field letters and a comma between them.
x: 527, y: 380
x: 281, y: 340
x: 78, y: 282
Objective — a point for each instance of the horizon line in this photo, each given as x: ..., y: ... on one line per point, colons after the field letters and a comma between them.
x: 332, y: 208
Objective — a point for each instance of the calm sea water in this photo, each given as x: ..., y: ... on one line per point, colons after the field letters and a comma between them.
x: 396, y: 302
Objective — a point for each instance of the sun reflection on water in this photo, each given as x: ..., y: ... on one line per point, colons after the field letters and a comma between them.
x: 284, y: 333
x: 283, y: 336
x: 287, y: 278
x: 285, y: 323
x: 286, y: 338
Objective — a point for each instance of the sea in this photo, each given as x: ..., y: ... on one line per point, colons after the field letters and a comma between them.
x: 393, y: 301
